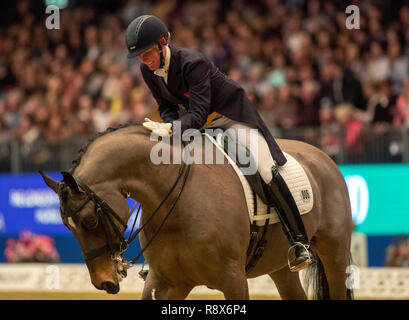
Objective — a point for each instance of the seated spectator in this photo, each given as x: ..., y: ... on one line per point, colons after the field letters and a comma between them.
x: 7, y: 79
x: 398, y: 66
x: 308, y: 108
x: 330, y: 131
x: 286, y: 111
x: 377, y: 66
x: 341, y: 86
x: 56, y: 131
x: 139, y: 110
x: 385, y: 104
x: 353, y: 60
x: 276, y: 78
x: 397, y: 254
x: 2, y: 116
x: 352, y: 129
x: 12, y: 116
x: 267, y: 106
x: 380, y: 108
x: 26, y: 132
x: 85, y: 119
x: 101, y: 115
x: 401, y: 114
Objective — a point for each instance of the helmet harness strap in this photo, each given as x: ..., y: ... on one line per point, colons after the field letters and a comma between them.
x: 162, y: 58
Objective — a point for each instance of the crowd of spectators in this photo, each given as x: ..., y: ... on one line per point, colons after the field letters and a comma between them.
x: 297, y: 60
x: 397, y: 253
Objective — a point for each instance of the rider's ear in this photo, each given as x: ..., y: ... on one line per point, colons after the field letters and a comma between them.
x: 162, y: 41
x: 70, y: 181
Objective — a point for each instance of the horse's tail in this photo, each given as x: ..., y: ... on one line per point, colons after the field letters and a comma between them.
x: 316, y: 280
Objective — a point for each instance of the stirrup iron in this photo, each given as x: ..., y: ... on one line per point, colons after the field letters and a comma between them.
x: 306, y: 263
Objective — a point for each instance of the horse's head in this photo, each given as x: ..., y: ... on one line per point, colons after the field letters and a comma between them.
x: 97, y: 230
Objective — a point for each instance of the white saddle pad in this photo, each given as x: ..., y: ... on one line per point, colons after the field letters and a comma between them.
x: 296, y: 179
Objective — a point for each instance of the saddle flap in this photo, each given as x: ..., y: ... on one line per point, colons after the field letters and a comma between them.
x: 294, y: 176
x: 257, y: 184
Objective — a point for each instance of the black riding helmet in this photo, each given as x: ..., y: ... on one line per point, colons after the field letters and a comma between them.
x: 143, y: 32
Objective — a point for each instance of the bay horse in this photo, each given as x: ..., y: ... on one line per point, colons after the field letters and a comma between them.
x: 204, y: 241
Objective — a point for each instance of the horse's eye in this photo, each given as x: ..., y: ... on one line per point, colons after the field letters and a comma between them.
x: 90, y: 221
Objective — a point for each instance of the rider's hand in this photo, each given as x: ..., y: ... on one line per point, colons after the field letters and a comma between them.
x: 159, y: 128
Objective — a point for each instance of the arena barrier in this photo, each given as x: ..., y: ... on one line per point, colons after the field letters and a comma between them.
x: 71, y: 281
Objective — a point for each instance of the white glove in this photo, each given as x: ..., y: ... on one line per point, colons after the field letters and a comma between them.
x: 159, y: 128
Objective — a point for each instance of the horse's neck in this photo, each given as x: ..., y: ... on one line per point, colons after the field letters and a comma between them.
x: 117, y: 156
x: 122, y: 162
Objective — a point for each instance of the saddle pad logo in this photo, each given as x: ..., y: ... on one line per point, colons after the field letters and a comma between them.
x: 305, y: 195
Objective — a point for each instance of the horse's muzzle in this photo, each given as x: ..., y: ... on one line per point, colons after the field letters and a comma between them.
x: 110, y: 287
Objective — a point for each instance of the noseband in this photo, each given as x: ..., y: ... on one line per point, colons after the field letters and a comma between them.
x: 107, y: 215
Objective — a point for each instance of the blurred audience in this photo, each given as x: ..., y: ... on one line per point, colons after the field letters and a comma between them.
x: 397, y: 253
x: 351, y: 127
x: 401, y: 114
x: 297, y: 61
x: 330, y: 132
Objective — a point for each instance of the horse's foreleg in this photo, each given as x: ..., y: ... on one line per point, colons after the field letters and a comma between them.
x: 157, y: 289
x: 234, y: 286
x: 288, y: 284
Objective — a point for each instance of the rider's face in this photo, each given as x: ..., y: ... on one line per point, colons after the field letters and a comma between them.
x: 151, y: 57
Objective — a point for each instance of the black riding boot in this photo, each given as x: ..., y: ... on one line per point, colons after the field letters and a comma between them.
x: 291, y: 221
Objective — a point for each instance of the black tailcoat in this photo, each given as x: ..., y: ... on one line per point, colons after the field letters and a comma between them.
x: 196, y: 83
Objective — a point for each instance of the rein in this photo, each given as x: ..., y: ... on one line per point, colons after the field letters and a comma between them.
x: 131, y: 238
x: 106, y: 215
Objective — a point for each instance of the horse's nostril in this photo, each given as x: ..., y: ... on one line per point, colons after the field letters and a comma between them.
x: 110, y: 287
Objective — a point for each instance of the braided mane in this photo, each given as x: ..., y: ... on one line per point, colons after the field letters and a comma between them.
x: 84, y: 148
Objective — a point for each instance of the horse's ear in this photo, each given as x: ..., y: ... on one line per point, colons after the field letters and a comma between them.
x: 50, y: 181
x: 70, y: 181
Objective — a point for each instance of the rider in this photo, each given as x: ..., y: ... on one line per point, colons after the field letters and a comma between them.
x: 179, y: 76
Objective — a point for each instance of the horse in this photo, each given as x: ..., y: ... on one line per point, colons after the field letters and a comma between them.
x: 204, y: 230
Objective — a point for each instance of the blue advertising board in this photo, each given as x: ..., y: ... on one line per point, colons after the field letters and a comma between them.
x: 378, y: 195
x: 26, y: 203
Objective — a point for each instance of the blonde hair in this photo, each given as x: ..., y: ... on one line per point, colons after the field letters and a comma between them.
x: 344, y: 111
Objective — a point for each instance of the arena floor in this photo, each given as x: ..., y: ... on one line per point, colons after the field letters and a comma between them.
x: 40, y: 295
x: 71, y: 282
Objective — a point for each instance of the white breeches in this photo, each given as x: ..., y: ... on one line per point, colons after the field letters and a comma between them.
x: 253, y: 139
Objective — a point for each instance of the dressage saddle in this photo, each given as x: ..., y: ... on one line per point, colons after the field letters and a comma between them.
x: 276, y: 194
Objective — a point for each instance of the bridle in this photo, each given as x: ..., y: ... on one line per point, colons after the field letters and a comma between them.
x: 107, y: 215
